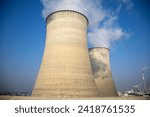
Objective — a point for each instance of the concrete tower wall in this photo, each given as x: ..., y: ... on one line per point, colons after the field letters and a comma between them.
x: 100, y: 62
x: 65, y: 69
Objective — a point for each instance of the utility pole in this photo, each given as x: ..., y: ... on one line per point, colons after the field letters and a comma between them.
x: 144, y: 84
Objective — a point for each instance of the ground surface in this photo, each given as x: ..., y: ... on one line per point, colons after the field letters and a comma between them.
x: 83, y: 98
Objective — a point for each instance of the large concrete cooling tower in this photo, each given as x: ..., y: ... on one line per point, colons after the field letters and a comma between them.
x: 101, y: 69
x: 65, y: 70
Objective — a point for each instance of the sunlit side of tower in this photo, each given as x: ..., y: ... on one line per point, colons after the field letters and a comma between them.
x: 65, y: 69
x: 100, y: 62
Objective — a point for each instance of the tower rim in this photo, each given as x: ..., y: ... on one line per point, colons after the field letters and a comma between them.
x: 99, y: 48
x: 68, y: 11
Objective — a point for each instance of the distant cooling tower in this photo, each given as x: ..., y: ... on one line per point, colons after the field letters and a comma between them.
x: 101, y: 69
x: 65, y: 69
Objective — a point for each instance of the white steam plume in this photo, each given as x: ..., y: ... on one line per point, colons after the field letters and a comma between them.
x: 145, y: 68
x: 102, y: 23
x: 128, y: 3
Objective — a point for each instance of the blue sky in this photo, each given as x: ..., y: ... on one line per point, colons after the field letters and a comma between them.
x: 22, y: 39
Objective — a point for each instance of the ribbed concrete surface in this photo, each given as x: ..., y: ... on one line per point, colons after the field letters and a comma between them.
x: 101, y: 69
x: 65, y: 70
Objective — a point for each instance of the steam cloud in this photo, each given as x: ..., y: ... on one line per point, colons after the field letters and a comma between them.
x: 103, y: 29
x: 145, y: 68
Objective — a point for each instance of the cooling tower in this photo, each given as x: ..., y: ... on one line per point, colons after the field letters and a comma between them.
x: 65, y: 69
x: 100, y: 62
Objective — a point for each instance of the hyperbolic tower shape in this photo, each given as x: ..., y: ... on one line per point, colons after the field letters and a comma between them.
x: 100, y: 62
x: 65, y: 69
